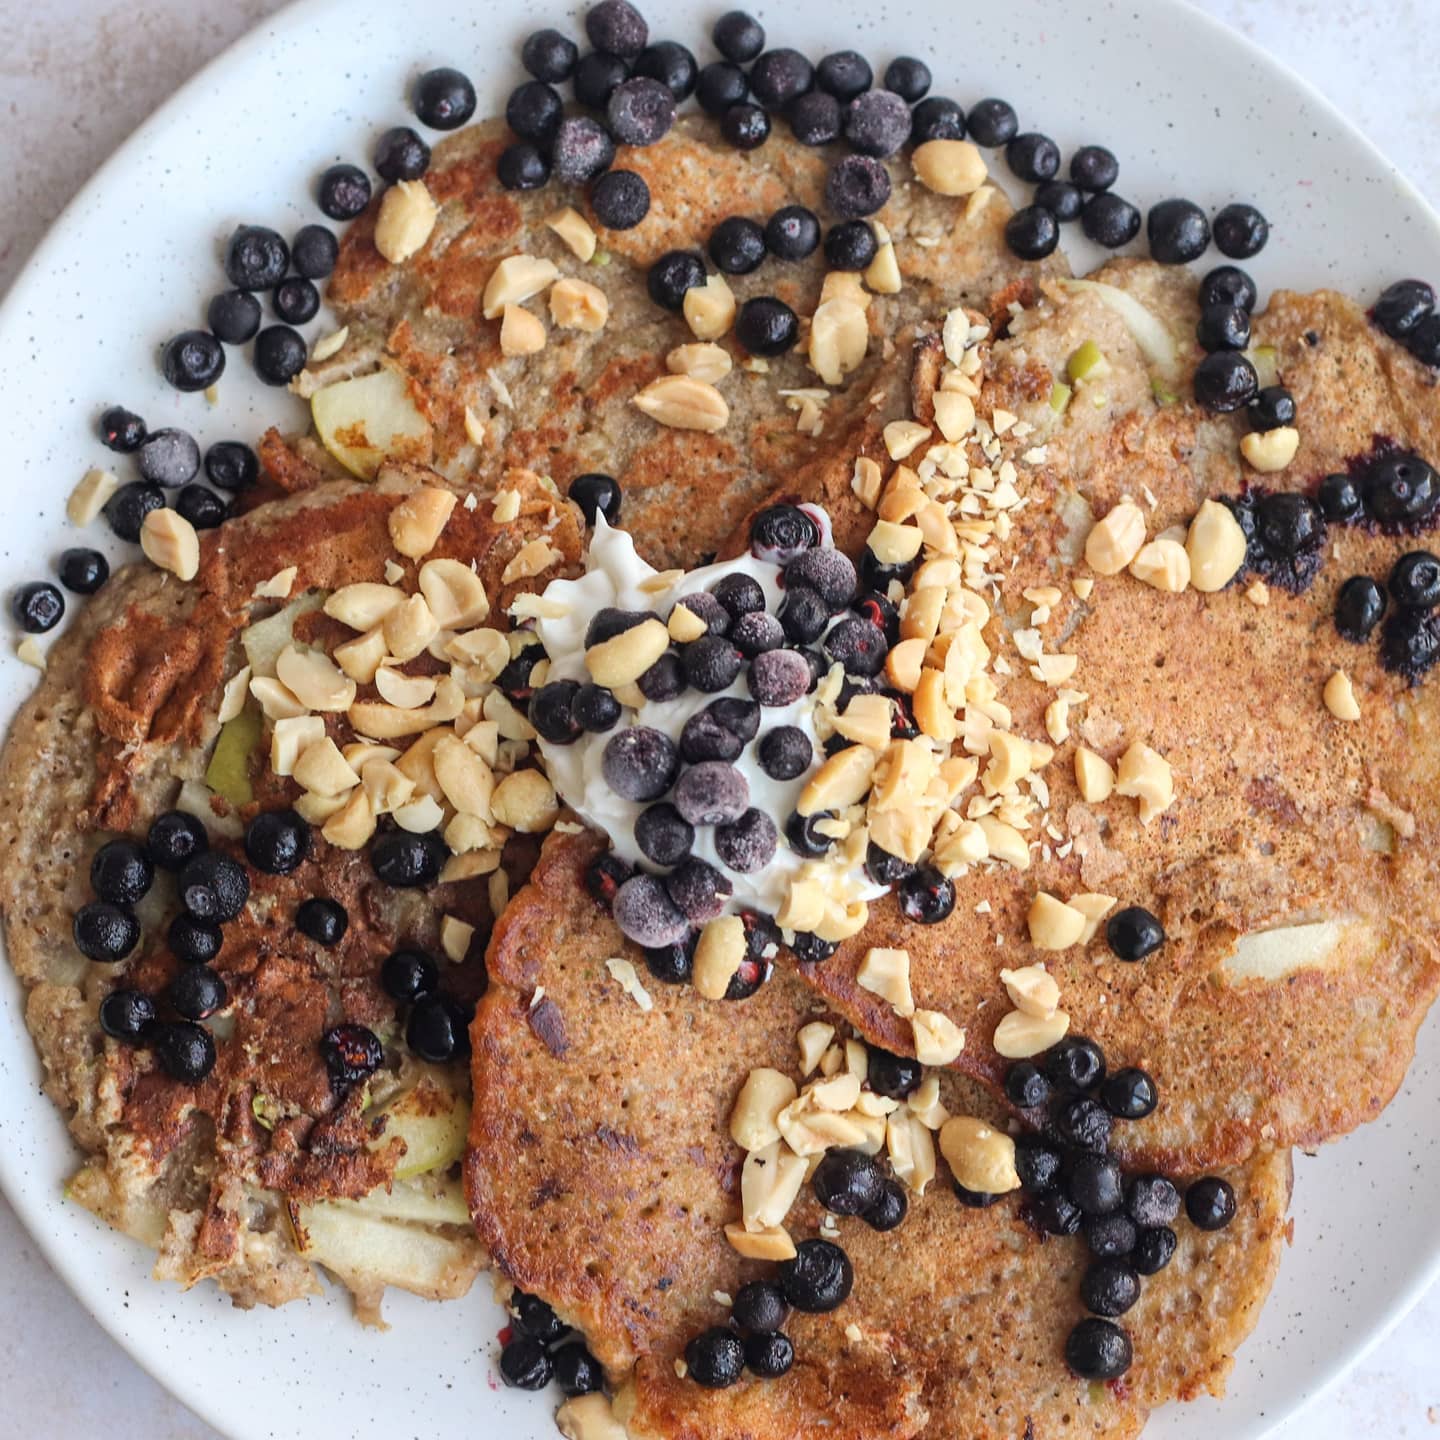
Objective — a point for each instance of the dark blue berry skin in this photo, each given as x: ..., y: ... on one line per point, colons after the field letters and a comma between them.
x: 1339, y: 499
x: 620, y: 199
x: 792, y: 233
x: 818, y: 1279
x: 168, y: 457
x: 533, y: 111
x: 83, y: 571
x: 444, y: 99
x: 1225, y: 381
x: 811, y: 949
x: 125, y: 1015
x: 1153, y: 1250
x: 721, y: 85
x: 313, y: 252
x: 1402, y: 306
x: 37, y: 606
x: 231, y: 465
x: 323, y: 920
x: 550, y: 56
x: 640, y: 111
x: 1273, y: 407
x: 926, y: 897
x: 296, y: 300
x: 674, y: 273
x: 1151, y: 1200
x: 671, y: 964
x: 174, y: 839
x: 1129, y: 1094
x: 1109, y: 220
x: 1178, y: 232
x: 400, y: 154
x: 1110, y: 1236
x: 1133, y: 933
x: 737, y: 245
x: 664, y: 836
x: 194, y: 942
x: 408, y: 974
x: 766, y: 326
x: 596, y: 495
x: 760, y: 1307
x: 122, y: 430
x: 877, y: 123
x: 815, y: 118
x: 1095, y: 1183
x: 438, y: 1029
x: 522, y: 166
x: 715, y: 1358
x: 1401, y: 489
x: 1228, y: 285
x: 344, y: 192
x: 908, y: 77
x: 1082, y: 1123
x: 616, y: 27
x: 256, y: 258
x: 778, y: 76
x: 672, y: 65
x: 850, y: 245
x: 1098, y: 1350
x: 1210, y: 1203
x: 535, y: 1318
x: 186, y: 1051
x: 1223, y: 327
x: 214, y: 888
x: 1037, y: 1162
x: 1074, y: 1065
x: 197, y: 992
x: 738, y: 36
x: 890, y: 1209
x: 193, y: 360
x: 769, y: 1355
x: 1031, y: 156
x: 1094, y: 168
x: 596, y: 75
x: 992, y: 123
x: 1240, y: 231
x: 844, y: 75
x: 525, y: 1364
x: 1410, y: 644
x: 121, y: 872
x: 407, y: 861
x: 846, y: 1182
x: 280, y: 354
x: 1053, y: 1213
x: 126, y: 509
x: 1415, y: 581
x: 745, y: 126
x: 896, y: 1077
x: 577, y: 1372
x: 1062, y: 199
x: 105, y: 933
x: 936, y: 118
x: 786, y: 753
x: 277, y: 841
x: 1026, y: 1085
x: 582, y: 149
x: 1109, y: 1287
x: 804, y: 839
x: 1032, y: 233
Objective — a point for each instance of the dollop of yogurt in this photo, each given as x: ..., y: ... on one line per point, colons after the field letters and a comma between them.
x: 617, y: 576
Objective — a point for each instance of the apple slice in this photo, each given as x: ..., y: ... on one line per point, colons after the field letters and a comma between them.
x: 421, y: 1201
x: 228, y: 773
x: 265, y: 639
x: 371, y: 419
x: 433, y: 1122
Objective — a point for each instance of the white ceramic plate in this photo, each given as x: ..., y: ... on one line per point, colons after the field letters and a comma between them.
x: 1189, y: 108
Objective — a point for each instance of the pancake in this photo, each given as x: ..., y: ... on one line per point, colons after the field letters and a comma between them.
x: 567, y: 410
x: 601, y: 1173
x: 233, y: 1178
x: 1287, y: 822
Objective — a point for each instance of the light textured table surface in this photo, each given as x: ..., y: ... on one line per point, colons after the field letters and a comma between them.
x: 76, y: 76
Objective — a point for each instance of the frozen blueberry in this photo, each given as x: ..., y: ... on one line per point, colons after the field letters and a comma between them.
x: 596, y: 709
x: 1153, y: 1250
x: 756, y: 633
x: 819, y: 1277
x: 552, y: 712
x: 857, y: 186
x: 121, y: 872
x: 992, y: 123
x: 671, y: 64
x: 1402, y: 306
x: 1026, y: 1085
x: 1151, y: 1200
x: 663, y: 834
x: 408, y: 974
x: 522, y: 166
x: 1062, y: 199
x: 192, y: 360
x: 1032, y: 232
x: 844, y: 74
x: 893, y: 1076
x: 122, y: 430
x: 815, y: 118
x: 672, y: 964
x: 1210, y: 1203
x: 779, y: 677
x: 715, y: 1358
x: 104, y: 932
x: 548, y: 55
x: 168, y: 457
x: 646, y: 914
x: 749, y: 843
x: 1178, y: 232
x: 1409, y: 644
x: 596, y: 75
x: 444, y: 99
x: 850, y: 245
x: 908, y: 77
x: 605, y: 875
x: 1225, y: 381
x: 1037, y: 1162
x: 620, y: 199
x: 792, y: 233
x: 343, y: 192
x: 640, y: 111
x: 313, y: 253
x: 201, y: 506
x: 857, y: 645
x: 973, y: 1199
x: 256, y: 258
x: 669, y: 277
x: 214, y: 888
x: 712, y: 663
x: 1075, y: 1064
x: 37, y: 607
x: 664, y: 680
x: 1031, y: 156
x: 596, y: 495
x: 704, y: 606
x: 739, y: 593
x: 640, y: 763
x: 280, y: 354
x: 533, y: 111
x: 1401, y: 489
x: 125, y: 1015
x: 1054, y: 1213
x: 769, y: 1355
x: 877, y: 123
x: 737, y: 245
x: 711, y: 793
x: 698, y: 890
x: 1110, y: 1236
x: 126, y: 509
x: 83, y: 571
x: 706, y: 737
x: 803, y: 614
x: 617, y: 27
x: 746, y: 127
x: 1240, y: 231
x: 400, y: 154
x: 1109, y: 1287
x: 1109, y: 220
x: 936, y: 118
x: 738, y: 36
x: 231, y: 465
x: 194, y: 942
x: 778, y: 76
x: 826, y: 571
x: 786, y: 752
x: 296, y: 300
x: 197, y: 992
x: 1228, y: 285
x: 766, y: 326
x: 1223, y: 327
x: 721, y: 85
x: 323, y: 920
x: 1083, y: 1123
x: 1094, y: 168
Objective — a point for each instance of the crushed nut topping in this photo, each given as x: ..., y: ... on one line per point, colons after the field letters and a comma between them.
x: 405, y: 222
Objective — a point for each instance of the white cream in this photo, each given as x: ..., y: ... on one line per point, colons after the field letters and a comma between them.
x: 614, y: 576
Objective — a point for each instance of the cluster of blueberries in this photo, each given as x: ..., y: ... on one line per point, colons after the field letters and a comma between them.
x: 1226, y: 379
x: 167, y: 459
x: 538, y: 1347
x: 213, y: 890
x: 1405, y: 311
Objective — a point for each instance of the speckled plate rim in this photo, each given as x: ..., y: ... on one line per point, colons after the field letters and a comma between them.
x: 194, y: 1343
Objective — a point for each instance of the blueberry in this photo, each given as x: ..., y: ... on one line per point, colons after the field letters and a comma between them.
x: 126, y: 509
x: 778, y: 76
x: 1062, y: 199
x: 1339, y: 499
x: 936, y: 118
x: 1026, y: 1085
x: 1095, y: 1183
x: 1401, y: 489
x: 405, y: 861
x: 780, y: 532
x: 769, y: 1355
x: 1178, y: 232
x: 1054, y: 1213
x: 908, y: 77
x: 1424, y: 341
x: 1402, y: 306
x: 811, y: 949
x: 1151, y: 1200
x: 174, y: 839
x: 277, y: 842
x: 878, y: 574
x: 596, y: 75
x: 313, y: 252
x: 1083, y: 1123
x: 844, y: 75
x: 620, y: 199
x: 712, y: 793
x: 720, y: 731
x: 640, y: 111
x: 193, y: 360
x: 805, y: 838
x: 194, y: 942
x: 926, y: 897
x: 438, y: 1029
x: 786, y: 753
x: 1098, y: 1350
x: 1129, y: 1094
x: 850, y: 245
x: 973, y: 1199
x: 819, y: 1277
x: 804, y: 616
x: 168, y: 457
x: 766, y: 326
x: 663, y: 834
x: 672, y: 964
x: 857, y: 645
x: 738, y: 36
x: 1075, y: 1064
x: 1223, y: 327
x: 296, y: 300
x: 256, y: 258
x: 83, y: 571
x: 846, y: 1182
x: 1288, y: 524
x: 1153, y: 1250
x: 815, y: 118
x: 1031, y: 156
x: 280, y: 354
x: 646, y: 914
x: 522, y: 166
x: 525, y: 1364
x: 779, y: 677
x: 1225, y: 381
x: 533, y: 111
x: 737, y: 245
x: 739, y: 594
x: 756, y: 633
x: 675, y: 272
x: 408, y: 974
x: 698, y: 890
x: 1271, y: 408
x: 535, y: 1318
x: 105, y: 932
x: 122, y: 430
x: 121, y: 872
x: 617, y: 27
x: 444, y: 99
x: 577, y: 1371
x: 1228, y: 285
x: 37, y: 606
x: 231, y: 465
x: 857, y: 186
x: 1037, y: 1162
x: 877, y: 123
x: 671, y: 64
x: 715, y: 1358
x: 1415, y: 580
x: 894, y: 1076
x: 1110, y: 1236
x: 1240, y: 231
x: 1109, y: 1287
x: 1109, y: 220
x: 125, y: 1015
x: 1210, y: 1203
x: 196, y: 992
x: 826, y: 571
x: 1094, y: 168
x: 1409, y: 644
x: 721, y: 85
x: 323, y: 920
x: 400, y: 154
x: 640, y: 763
x: 186, y: 1051
x: 596, y: 495
x: 748, y: 843
x: 343, y: 192
x: 890, y: 1208
x: 759, y: 1307
x: 548, y: 55
x: 552, y: 712
x: 1032, y: 232
x: 604, y: 876
x: 992, y: 123
x: 1133, y: 933
x: 746, y: 127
